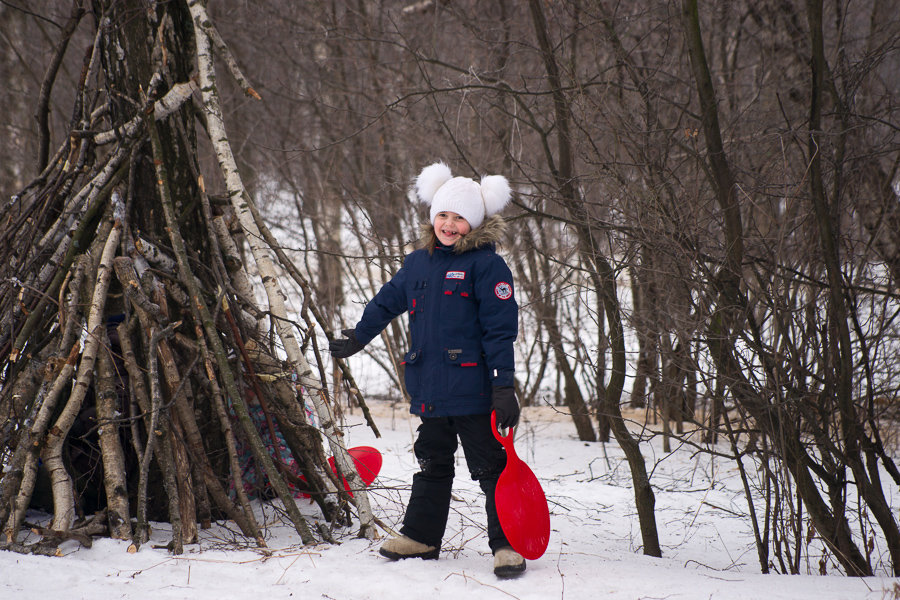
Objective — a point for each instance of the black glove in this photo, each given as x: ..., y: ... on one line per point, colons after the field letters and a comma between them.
x: 505, y: 405
x: 345, y: 347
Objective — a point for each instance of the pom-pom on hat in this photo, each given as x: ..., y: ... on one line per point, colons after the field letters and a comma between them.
x: 436, y: 186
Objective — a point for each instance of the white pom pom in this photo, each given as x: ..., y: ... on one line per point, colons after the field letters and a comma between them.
x: 430, y: 180
x: 496, y: 193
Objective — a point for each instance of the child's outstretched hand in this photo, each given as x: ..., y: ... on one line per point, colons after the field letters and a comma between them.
x: 348, y: 346
x: 505, y: 405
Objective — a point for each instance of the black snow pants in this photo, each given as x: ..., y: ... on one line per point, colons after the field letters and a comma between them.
x: 429, y: 503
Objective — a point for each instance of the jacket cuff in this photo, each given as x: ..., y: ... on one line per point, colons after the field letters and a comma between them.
x: 505, y: 377
x: 363, y: 337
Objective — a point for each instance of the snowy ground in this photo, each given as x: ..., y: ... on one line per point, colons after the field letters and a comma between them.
x: 593, y: 553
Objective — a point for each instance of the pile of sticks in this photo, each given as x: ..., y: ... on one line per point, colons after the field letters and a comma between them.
x: 128, y: 322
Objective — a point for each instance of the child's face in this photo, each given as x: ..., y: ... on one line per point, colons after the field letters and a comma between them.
x: 449, y: 227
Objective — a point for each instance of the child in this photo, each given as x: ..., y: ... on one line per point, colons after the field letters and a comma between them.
x: 463, y: 319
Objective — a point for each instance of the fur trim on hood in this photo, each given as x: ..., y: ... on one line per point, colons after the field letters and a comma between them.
x: 490, y: 232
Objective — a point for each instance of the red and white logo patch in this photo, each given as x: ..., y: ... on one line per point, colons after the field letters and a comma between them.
x: 455, y: 275
x: 503, y: 290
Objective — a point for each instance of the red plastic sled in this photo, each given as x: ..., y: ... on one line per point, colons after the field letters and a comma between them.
x: 367, y: 461
x: 521, y: 504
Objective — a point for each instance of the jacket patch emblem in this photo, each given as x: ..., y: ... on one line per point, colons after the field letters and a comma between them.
x: 455, y: 275
x: 503, y: 290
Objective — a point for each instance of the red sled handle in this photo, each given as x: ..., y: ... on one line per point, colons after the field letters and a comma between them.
x: 506, y: 440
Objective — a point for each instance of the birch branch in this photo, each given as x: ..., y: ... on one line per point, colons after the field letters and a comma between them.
x: 155, y: 256
x: 25, y: 460
x: 127, y: 276
x: 43, y: 110
x: 240, y: 200
x: 21, y: 473
x: 161, y: 430
x: 114, y: 477
x: 157, y: 426
x: 231, y: 446
x: 232, y: 258
x: 298, y: 277
x: 143, y: 398
x: 63, y: 510
x: 162, y: 108
x: 226, y: 55
x: 54, y: 271
x: 202, y: 315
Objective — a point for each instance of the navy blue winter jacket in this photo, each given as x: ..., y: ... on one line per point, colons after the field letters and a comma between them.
x: 463, y: 320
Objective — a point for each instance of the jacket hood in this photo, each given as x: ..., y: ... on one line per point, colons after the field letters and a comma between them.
x: 489, y: 233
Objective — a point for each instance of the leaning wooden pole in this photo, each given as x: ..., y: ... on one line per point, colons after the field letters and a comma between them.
x: 240, y: 199
x: 202, y: 315
x: 114, y: 475
x: 63, y: 494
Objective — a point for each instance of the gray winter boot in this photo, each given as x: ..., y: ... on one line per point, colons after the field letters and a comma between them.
x: 508, y: 563
x: 405, y: 547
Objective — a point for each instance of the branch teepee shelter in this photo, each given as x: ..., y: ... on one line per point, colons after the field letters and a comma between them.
x: 135, y: 361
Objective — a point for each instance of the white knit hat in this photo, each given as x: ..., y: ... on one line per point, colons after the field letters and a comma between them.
x: 436, y: 186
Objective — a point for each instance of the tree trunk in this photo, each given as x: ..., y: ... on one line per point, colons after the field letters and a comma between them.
x: 851, y: 428
x: 643, y: 492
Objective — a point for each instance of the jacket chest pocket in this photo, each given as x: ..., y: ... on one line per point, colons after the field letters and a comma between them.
x: 461, y: 288
x: 458, y: 303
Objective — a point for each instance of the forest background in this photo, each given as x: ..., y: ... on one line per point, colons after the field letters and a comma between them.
x: 705, y: 234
